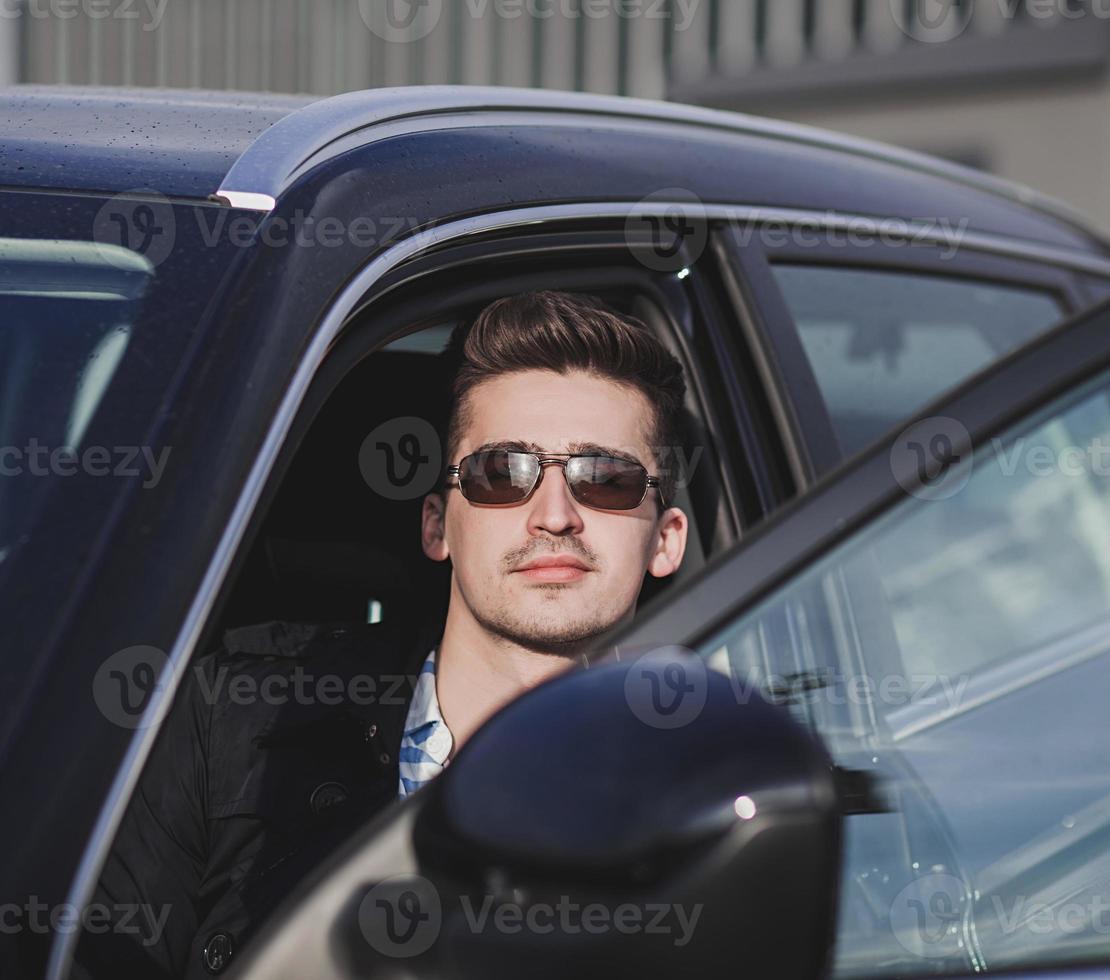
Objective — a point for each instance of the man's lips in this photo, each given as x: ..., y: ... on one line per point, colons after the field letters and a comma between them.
x: 553, y: 568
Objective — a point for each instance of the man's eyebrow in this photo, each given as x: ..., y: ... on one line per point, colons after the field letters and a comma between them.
x: 509, y: 445
x: 577, y: 448
x: 593, y: 449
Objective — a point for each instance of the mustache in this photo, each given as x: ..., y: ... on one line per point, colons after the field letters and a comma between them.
x: 527, y: 554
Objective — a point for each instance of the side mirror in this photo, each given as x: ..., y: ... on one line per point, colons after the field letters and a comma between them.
x: 636, y: 819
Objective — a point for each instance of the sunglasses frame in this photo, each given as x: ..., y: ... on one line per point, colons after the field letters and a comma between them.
x: 557, y: 459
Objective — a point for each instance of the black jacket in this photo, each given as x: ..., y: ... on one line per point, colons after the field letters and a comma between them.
x: 279, y: 744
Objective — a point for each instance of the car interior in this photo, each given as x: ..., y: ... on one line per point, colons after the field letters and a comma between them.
x: 328, y: 548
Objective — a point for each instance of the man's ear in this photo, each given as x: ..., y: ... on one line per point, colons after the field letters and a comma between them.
x: 433, y: 536
x: 670, y: 543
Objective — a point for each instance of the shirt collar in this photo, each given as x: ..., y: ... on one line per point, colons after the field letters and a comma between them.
x: 424, y: 725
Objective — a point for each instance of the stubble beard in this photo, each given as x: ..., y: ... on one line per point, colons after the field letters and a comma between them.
x: 554, y: 635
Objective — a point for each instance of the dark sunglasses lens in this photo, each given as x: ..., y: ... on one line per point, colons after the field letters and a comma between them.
x: 607, y: 483
x: 497, y: 477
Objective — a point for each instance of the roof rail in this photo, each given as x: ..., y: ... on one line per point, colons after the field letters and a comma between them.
x: 268, y: 166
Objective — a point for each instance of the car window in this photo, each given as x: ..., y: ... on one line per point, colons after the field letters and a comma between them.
x: 95, y: 338
x: 68, y: 310
x: 884, y: 343
x: 958, y: 649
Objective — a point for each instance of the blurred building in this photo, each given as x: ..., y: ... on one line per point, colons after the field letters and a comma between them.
x: 1018, y: 87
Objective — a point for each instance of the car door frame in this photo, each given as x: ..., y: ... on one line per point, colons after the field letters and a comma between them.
x: 195, y: 629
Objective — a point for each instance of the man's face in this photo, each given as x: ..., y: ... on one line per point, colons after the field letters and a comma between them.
x: 554, y: 610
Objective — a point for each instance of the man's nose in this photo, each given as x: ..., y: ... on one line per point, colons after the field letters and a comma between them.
x: 553, y: 507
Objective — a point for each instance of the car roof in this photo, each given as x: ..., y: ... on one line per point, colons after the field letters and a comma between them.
x: 179, y: 143
x: 247, y: 148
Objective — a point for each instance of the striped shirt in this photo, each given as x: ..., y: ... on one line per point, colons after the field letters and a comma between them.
x: 426, y: 742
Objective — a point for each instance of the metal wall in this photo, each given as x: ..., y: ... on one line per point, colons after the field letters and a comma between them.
x: 1016, y: 86
x: 637, y: 47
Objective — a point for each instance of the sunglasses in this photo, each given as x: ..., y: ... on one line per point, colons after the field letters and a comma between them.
x: 502, y: 476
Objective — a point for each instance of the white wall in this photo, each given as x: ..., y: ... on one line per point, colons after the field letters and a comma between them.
x: 9, y: 50
x: 1055, y: 138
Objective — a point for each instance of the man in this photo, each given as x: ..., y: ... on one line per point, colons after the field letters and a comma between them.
x: 557, y: 502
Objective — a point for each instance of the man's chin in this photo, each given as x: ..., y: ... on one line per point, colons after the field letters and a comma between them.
x: 558, y: 638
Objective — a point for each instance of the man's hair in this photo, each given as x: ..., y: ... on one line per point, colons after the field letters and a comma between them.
x: 556, y: 331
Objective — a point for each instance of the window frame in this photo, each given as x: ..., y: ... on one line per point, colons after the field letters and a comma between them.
x: 804, y: 419
x: 371, y: 283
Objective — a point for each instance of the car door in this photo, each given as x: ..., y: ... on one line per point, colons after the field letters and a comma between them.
x: 939, y: 614
x: 410, y: 311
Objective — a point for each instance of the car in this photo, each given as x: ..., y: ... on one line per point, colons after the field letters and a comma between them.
x: 221, y: 375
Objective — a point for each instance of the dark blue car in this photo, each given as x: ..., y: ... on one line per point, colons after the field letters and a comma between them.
x: 218, y: 308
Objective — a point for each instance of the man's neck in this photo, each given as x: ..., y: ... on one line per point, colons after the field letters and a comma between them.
x: 477, y: 674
